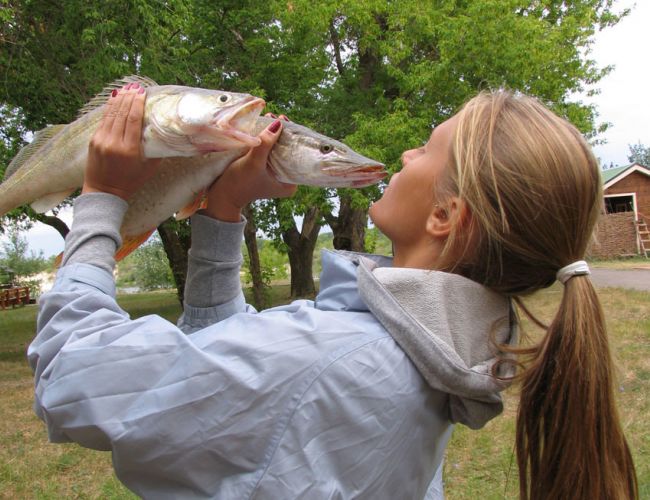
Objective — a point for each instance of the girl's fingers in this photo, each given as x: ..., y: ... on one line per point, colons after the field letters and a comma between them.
x: 132, y: 133
x: 122, y: 112
x: 110, y: 108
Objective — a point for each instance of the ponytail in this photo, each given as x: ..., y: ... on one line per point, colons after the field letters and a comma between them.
x: 569, y: 438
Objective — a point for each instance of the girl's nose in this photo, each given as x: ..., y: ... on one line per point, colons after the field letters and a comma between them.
x: 407, y: 156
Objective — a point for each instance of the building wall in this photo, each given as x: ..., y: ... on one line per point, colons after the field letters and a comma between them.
x: 615, y: 235
x: 637, y: 183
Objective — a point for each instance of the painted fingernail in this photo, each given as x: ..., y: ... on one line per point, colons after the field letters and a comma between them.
x: 141, y: 90
x: 275, y: 126
x: 114, y: 93
x: 128, y: 86
x: 135, y: 86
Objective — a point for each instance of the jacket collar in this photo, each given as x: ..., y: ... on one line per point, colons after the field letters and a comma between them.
x: 442, y: 321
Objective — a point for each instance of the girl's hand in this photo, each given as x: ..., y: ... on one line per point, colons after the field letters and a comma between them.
x: 247, y: 179
x: 115, y: 164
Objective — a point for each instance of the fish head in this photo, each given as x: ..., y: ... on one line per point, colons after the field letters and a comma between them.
x: 303, y: 156
x: 187, y: 121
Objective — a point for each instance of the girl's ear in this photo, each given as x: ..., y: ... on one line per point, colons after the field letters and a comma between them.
x: 445, y: 215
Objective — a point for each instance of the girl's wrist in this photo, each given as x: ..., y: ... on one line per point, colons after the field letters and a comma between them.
x: 223, y: 209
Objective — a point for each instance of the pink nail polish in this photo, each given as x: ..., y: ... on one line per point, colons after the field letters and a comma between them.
x: 141, y: 90
x: 126, y: 87
x: 113, y: 92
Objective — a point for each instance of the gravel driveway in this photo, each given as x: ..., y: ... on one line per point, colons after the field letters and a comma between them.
x: 637, y: 279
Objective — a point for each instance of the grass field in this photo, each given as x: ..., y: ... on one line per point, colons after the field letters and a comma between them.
x: 479, y: 464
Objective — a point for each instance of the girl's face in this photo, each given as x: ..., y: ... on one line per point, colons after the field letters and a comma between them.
x: 408, y: 201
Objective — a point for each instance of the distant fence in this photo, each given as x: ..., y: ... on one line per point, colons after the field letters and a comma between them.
x: 14, y: 297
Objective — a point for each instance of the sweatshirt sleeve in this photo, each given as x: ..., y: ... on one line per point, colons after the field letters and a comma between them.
x: 213, y: 289
x: 95, y: 234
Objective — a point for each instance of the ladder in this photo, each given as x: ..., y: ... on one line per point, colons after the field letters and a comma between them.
x: 643, y: 235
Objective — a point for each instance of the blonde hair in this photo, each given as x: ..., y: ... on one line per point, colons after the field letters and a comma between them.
x: 534, y: 194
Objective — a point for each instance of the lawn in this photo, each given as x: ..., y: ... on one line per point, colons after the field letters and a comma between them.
x: 479, y: 464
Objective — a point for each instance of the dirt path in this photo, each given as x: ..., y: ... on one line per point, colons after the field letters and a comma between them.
x: 637, y: 279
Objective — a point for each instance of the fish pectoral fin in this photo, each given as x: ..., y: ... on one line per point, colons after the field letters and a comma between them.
x: 49, y: 201
x: 131, y: 243
x: 198, y: 203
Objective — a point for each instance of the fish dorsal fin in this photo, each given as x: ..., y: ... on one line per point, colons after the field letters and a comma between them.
x: 40, y: 138
x: 101, y: 98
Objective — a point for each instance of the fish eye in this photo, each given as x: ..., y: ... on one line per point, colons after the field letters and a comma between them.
x: 224, y: 98
x: 326, y: 148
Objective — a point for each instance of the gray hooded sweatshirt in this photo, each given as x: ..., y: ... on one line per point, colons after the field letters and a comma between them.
x: 352, y: 395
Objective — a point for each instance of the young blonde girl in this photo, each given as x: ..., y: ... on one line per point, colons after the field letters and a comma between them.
x: 352, y: 395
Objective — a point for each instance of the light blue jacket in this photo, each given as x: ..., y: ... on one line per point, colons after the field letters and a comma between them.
x: 310, y: 400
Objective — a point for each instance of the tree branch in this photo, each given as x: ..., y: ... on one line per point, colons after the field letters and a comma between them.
x: 336, y: 43
x: 54, y: 222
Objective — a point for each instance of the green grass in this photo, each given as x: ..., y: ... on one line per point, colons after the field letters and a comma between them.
x: 479, y: 464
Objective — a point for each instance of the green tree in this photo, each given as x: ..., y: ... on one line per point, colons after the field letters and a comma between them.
x: 392, y: 69
x: 272, y: 265
x: 639, y: 154
x: 376, y: 74
x: 147, y: 268
x: 15, y: 258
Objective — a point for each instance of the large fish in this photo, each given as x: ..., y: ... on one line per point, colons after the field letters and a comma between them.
x: 301, y: 156
x: 178, y: 121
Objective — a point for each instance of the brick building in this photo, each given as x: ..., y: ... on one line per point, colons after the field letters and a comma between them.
x: 627, y: 209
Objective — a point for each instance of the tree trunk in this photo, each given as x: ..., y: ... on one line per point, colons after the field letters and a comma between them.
x: 250, y: 237
x: 176, y: 247
x: 301, y: 252
x: 349, y: 227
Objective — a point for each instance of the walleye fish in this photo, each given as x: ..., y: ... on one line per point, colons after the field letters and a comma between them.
x: 183, y: 138
x: 178, y: 121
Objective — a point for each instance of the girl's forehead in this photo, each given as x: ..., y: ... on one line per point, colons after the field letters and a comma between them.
x: 444, y: 131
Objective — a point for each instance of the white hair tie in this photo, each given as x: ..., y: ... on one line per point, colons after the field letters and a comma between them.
x: 578, y: 268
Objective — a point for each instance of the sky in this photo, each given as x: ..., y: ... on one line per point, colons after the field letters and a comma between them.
x: 623, y: 101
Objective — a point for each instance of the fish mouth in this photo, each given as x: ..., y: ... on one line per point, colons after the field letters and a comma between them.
x: 357, y: 176
x: 238, y: 122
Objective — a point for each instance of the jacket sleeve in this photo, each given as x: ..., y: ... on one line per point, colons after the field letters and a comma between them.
x: 182, y: 414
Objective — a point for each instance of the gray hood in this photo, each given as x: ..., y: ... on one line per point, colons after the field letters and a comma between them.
x: 444, y: 323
